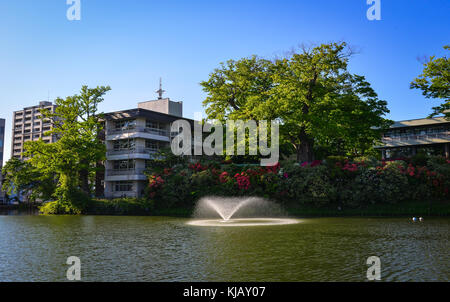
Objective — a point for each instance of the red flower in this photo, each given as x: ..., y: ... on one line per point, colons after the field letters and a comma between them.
x: 197, y: 167
x: 223, y: 177
x: 316, y: 163
x: 243, y: 181
x: 350, y: 167
x: 274, y: 168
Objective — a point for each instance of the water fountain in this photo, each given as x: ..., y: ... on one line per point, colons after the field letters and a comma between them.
x: 235, y: 211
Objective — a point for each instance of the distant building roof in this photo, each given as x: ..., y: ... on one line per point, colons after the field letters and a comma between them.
x: 420, y: 122
x: 139, y: 112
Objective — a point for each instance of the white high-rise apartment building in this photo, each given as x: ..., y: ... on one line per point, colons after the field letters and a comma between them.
x: 28, y: 125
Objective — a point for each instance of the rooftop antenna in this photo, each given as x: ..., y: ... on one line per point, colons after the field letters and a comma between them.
x: 160, y: 91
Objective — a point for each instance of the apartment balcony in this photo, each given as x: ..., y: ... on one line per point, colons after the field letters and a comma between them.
x: 415, y: 140
x: 136, y: 153
x: 148, y: 133
x: 125, y: 174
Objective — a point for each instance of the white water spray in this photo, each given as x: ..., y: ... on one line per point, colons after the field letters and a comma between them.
x: 235, y: 211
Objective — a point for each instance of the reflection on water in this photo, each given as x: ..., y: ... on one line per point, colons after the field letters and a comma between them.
x: 35, y: 248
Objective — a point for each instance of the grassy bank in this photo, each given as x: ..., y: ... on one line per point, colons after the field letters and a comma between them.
x: 140, y: 207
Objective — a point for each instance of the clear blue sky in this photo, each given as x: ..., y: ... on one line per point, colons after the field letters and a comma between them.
x: 129, y: 44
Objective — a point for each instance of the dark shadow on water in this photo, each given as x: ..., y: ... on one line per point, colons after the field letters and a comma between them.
x: 18, y: 211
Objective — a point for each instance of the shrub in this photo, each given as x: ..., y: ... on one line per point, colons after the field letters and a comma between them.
x: 337, y: 181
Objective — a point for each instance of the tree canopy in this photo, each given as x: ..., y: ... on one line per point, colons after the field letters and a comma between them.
x: 319, y: 103
x: 435, y: 82
x: 71, y: 161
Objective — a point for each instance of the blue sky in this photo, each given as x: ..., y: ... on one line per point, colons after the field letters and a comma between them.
x: 130, y: 44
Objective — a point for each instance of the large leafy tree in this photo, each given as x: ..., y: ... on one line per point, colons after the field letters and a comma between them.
x: 435, y: 82
x: 24, y: 179
x: 73, y: 158
x: 318, y: 101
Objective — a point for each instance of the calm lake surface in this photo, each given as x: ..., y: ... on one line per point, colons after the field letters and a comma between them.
x: 35, y: 248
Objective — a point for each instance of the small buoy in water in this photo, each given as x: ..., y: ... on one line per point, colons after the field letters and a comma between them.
x: 414, y: 219
x: 420, y: 219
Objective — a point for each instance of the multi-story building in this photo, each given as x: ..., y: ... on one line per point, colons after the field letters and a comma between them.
x: 132, y: 138
x: 29, y: 125
x: 2, y: 147
x: 406, y: 138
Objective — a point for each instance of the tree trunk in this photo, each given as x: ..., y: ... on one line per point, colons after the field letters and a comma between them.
x: 84, y: 181
x: 305, y: 151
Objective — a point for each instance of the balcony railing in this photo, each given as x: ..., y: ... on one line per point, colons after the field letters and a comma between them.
x: 120, y: 194
x: 443, y: 135
x: 155, y: 131
x: 118, y: 172
x: 132, y: 151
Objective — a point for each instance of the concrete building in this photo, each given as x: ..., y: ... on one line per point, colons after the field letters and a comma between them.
x: 28, y: 125
x: 2, y: 148
x: 406, y: 138
x: 132, y: 137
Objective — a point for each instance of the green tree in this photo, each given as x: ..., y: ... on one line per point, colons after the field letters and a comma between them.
x: 24, y: 179
x: 74, y: 156
x: 318, y: 102
x: 435, y: 82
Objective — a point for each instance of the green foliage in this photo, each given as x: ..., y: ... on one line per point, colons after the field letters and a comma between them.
x: 321, y: 105
x: 58, y: 208
x: 31, y: 182
x: 163, y: 159
x: 435, y: 82
x: 120, y: 206
x: 337, y: 182
x: 420, y: 159
x: 372, y: 186
x: 70, y: 162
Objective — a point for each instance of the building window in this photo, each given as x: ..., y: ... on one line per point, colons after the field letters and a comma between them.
x: 123, y: 186
x: 150, y: 144
x: 125, y: 124
x: 151, y: 124
x: 124, y: 164
x: 124, y: 144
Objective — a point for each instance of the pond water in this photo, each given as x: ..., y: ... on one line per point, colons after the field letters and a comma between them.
x: 36, y: 248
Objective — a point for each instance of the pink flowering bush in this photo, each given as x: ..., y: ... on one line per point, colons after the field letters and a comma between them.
x: 335, y: 181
